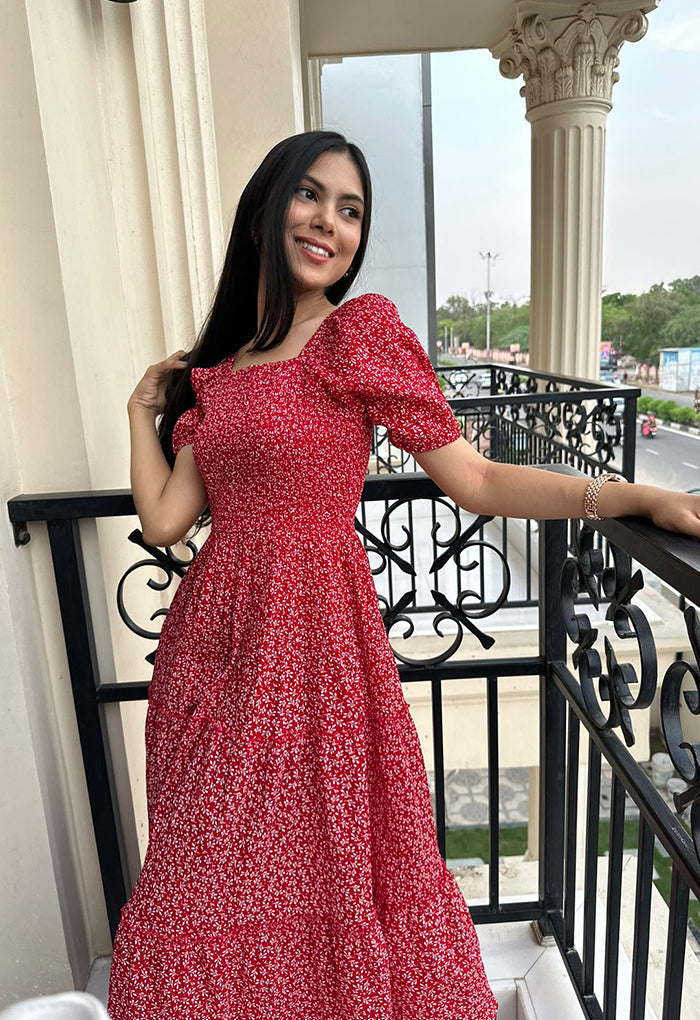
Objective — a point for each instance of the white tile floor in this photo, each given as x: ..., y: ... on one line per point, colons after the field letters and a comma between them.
x: 529, y: 980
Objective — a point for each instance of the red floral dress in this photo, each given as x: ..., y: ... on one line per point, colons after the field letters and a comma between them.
x: 292, y: 869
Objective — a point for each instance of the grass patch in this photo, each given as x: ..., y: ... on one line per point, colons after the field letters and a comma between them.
x: 462, y: 843
x: 475, y: 842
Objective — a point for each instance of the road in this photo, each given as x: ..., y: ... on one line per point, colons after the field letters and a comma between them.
x: 684, y: 399
x: 671, y: 459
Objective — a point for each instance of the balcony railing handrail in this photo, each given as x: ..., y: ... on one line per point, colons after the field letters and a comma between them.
x: 673, y: 557
x: 557, y: 397
x: 567, y: 380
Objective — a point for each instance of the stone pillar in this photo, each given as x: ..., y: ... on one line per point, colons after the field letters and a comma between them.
x: 567, y: 54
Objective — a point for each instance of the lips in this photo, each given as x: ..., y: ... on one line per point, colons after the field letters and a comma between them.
x: 317, y: 244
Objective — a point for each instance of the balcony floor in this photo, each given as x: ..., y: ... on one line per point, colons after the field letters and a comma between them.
x: 529, y: 980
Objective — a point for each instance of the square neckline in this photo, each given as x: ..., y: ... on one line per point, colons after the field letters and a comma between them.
x: 229, y: 361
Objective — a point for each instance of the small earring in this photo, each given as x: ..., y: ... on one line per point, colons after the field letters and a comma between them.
x: 255, y: 239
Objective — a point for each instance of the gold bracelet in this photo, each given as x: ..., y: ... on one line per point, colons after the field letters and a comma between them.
x: 590, y: 496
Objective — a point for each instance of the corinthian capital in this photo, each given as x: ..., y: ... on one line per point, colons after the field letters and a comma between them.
x: 569, y: 50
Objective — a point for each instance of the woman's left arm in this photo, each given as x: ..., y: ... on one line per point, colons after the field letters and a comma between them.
x: 482, y: 486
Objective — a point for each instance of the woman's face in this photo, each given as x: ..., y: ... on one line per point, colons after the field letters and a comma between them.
x: 326, y: 210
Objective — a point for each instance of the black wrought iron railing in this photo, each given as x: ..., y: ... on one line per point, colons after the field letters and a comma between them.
x: 520, y: 416
x: 443, y: 586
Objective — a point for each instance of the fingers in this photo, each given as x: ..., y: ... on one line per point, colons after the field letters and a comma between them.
x: 172, y: 362
x: 176, y: 358
x: 684, y: 523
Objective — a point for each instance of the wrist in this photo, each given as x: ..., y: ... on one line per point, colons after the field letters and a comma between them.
x: 139, y: 412
x: 626, y: 500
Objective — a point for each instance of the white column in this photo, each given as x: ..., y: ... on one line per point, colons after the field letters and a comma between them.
x: 568, y: 162
x: 567, y: 54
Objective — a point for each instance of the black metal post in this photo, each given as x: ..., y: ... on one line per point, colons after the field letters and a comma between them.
x: 552, y: 553
x: 69, y: 571
x: 642, y: 921
x: 590, y: 895
x: 439, y: 763
x: 675, y: 948
x: 629, y: 438
x: 493, y: 781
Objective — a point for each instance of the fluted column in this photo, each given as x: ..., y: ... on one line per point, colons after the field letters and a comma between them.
x: 567, y: 55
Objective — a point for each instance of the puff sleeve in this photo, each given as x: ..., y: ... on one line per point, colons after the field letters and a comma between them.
x: 187, y: 424
x: 390, y: 371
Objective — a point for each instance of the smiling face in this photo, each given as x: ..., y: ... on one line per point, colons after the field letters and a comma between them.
x: 324, y: 213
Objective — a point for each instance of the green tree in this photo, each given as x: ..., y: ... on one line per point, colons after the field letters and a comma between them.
x: 518, y: 335
x: 456, y: 309
x: 636, y: 324
x: 683, y: 330
x: 455, y: 315
x: 689, y: 289
x: 505, y: 318
x: 615, y: 314
x: 643, y: 333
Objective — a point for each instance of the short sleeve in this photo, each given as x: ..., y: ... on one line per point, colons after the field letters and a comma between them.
x: 187, y: 424
x: 390, y: 371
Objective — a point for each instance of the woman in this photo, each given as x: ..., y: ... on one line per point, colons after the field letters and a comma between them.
x: 292, y: 869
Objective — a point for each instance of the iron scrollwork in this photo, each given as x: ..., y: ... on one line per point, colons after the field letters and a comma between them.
x: 586, y: 571
x: 462, y: 382
x: 463, y: 609
x: 389, y: 459
x: 584, y: 429
x: 563, y: 429
x: 161, y: 559
x: 606, y: 429
x: 467, y: 606
x: 511, y: 381
x: 684, y: 754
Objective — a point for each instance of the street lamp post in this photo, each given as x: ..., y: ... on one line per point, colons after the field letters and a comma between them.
x: 488, y: 292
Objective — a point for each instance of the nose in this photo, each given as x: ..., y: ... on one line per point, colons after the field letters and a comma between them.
x: 323, y: 219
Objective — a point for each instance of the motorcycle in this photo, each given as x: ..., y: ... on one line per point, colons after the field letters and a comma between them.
x: 648, y: 426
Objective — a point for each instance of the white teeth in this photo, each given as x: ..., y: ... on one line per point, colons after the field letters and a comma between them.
x: 314, y: 248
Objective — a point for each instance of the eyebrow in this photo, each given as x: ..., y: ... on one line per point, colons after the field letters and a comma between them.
x: 321, y: 187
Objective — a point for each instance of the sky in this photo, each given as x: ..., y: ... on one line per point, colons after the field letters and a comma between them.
x: 481, y: 151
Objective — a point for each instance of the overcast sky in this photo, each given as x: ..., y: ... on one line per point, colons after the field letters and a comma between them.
x: 482, y: 165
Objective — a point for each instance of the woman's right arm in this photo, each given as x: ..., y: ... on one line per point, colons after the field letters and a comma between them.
x: 167, y: 501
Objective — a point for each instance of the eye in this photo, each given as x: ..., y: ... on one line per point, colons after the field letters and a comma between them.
x: 355, y: 214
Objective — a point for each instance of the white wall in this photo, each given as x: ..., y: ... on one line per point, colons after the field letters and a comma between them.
x: 110, y: 240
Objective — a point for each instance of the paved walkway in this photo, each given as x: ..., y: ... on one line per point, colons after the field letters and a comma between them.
x: 466, y: 796
x: 685, y: 399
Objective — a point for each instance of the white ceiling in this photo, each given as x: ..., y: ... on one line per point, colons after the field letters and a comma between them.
x: 359, y: 27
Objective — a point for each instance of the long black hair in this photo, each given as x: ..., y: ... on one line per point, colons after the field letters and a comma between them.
x: 233, y: 317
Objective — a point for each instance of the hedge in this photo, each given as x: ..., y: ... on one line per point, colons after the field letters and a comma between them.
x: 668, y: 410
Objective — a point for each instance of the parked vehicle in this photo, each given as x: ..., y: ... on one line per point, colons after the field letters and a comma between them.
x: 648, y: 426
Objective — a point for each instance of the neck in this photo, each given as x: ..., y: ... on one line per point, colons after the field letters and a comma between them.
x: 309, y: 304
